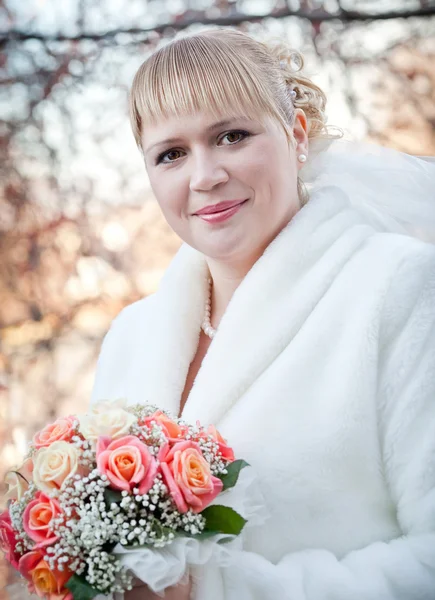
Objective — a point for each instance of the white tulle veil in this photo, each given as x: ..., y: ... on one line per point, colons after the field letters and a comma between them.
x: 395, y: 191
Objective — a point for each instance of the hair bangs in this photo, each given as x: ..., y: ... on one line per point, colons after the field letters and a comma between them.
x: 193, y: 75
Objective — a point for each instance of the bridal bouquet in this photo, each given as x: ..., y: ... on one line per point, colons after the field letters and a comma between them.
x: 118, y: 480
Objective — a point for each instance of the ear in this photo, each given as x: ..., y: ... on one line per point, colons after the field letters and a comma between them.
x: 300, y: 133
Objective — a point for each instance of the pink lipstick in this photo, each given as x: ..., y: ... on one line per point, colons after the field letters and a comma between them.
x: 220, y: 212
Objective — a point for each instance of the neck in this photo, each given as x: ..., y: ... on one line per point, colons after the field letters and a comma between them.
x: 227, y: 276
x: 226, y: 279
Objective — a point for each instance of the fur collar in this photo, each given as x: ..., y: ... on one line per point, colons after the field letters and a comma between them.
x: 265, y: 313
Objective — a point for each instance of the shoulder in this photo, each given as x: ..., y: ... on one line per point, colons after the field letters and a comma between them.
x: 394, y: 274
x: 128, y: 330
x: 135, y: 309
x: 389, y: 270
x: 409, y: 291
x: 401, y: 261
x: 132, y: 315
x: 400, y: 250
x: 412, y: 262
x: 121, y: 343
x: 120, y: 346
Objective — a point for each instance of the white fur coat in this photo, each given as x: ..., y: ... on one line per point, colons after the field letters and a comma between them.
x: 322, y: 376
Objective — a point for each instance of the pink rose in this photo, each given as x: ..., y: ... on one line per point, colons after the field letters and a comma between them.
x: 43, y: 581
x: 188, y: 477
x: 172, y: 430
x: 37, y: 518
x: 61, y: 429
x: 224, y: 449
x: 127, y: 462
x: 8, y: 541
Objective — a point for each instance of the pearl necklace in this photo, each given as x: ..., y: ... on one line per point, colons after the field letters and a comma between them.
x: 206, y: 324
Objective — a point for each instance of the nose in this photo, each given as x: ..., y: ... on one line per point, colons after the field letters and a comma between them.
x: 207, y: 172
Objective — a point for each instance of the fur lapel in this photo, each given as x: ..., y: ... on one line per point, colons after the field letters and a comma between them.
x: 171, y: 330
x: 264, y: 315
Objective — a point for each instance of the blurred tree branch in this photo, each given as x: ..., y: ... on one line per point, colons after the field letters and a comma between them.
x: 314, y: 16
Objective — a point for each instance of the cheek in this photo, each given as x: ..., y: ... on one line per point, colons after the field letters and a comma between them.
x: 280, y: 171
x: 171, y: 191
x: 267, y: 166
x: 279, y: 159
x: 265, y: 177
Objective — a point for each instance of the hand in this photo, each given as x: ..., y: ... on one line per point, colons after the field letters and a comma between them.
x: 175, y: 592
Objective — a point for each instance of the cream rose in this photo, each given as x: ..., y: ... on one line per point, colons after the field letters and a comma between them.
x: 106, y: 419
x: 103, y: 405
x: 53, y: 465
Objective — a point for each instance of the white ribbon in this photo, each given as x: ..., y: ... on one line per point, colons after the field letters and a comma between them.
x: 160, y: 568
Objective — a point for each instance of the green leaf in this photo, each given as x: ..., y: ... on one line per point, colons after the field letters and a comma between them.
x: 223, y: 519
x: 112, y: 496
x: 204, y: 535
x: 225, y: 540
x: 80, y: 588
x: 230, y: 479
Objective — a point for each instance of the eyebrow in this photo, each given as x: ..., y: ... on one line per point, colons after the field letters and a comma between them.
x: 210, y: 128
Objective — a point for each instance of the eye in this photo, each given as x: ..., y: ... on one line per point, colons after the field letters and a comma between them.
x: 235, y: 136
x: 172, y: 156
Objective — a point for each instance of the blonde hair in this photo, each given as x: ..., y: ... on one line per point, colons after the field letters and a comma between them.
x: 229, y: 73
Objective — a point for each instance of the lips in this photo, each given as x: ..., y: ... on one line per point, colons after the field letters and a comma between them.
x: 219, y: 207
x: 221, y: 216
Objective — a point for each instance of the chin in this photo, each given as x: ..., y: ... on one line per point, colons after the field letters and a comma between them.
x: 229, y: 251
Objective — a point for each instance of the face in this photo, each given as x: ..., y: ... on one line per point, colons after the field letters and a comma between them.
x: 226, y: 188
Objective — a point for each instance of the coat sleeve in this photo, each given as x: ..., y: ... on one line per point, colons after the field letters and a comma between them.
x: 402, y: 568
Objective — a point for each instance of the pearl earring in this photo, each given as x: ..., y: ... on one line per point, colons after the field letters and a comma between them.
x: 302, y: 158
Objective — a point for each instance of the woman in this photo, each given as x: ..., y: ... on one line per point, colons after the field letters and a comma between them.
x: 303, y: 328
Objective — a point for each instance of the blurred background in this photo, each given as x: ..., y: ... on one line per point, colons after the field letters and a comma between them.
x: 80, y: 233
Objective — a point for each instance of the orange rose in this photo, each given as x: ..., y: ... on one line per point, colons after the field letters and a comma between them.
x: 62, y: 429
x: 37, y: 518
x: 171, y: 429
x: 224, y: 449
x: 42, y: 580
x: 188, y: 477
x: 127, y: 463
